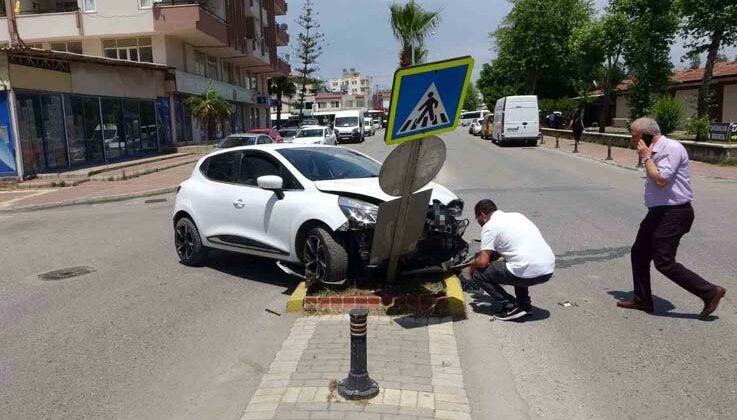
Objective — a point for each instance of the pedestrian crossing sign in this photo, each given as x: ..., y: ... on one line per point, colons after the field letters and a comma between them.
x: 427, y: 99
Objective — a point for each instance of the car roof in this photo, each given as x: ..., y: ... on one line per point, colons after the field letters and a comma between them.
x: 244, y: 135
x: 277, y: 146
x: 314, y: 126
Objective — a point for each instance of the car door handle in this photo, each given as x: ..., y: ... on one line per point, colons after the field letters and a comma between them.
x: 239, y: 203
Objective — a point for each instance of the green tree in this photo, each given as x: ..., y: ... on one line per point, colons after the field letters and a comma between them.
x: 471, y: 103
x: 209, y: 108
x: 281, y: 86
x: 668, y: 112
x: 497, y: 80
x: 535, y: 39
x: 309, y: 49
x: 597, y: 50
x: 652, y: 25
x: 411, y: 24
x: 694, y: 61
x: 707, y: 26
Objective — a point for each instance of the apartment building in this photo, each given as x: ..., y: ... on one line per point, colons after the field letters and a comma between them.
x: 351, y: 82
x: 227, y: 45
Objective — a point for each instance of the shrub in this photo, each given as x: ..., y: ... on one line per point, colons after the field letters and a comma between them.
x: 668, y: 112
x: 699, y: 127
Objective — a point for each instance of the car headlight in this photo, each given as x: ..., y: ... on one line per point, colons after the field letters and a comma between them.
x: 358, y: 211
x: 455, y: 208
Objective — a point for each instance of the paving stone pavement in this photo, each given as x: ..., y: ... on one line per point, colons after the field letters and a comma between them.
x: 414, y: 360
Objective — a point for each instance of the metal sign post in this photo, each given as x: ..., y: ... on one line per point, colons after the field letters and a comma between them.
x: 426, y: 100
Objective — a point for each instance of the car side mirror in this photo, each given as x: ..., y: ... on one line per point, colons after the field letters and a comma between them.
x: 272, y: 183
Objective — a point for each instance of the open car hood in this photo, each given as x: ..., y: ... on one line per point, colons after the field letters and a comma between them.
x: 369, y: 187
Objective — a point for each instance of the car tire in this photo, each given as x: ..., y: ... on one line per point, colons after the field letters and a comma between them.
x: 325, y: 259
x: 188, y: 243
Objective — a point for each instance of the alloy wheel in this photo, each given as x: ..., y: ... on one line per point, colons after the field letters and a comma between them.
x: 315, y: 258
x: 184, y: 242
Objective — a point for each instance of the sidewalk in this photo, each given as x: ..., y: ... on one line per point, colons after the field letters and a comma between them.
x: 414, y: 360
x: 628, y: 158
x: 92, y: 192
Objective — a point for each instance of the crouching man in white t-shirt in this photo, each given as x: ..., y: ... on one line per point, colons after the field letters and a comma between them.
x: 514, y: 253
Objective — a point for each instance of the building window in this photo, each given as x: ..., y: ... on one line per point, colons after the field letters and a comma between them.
x: 199, y: 63
x: 354, y: 82
x: 72, y: 47
x: 211, y: 68
x: 336, y: 104
x: 83, y: 125
x: 147, y: 3
x: 131, y: 49
x: 89, y: 6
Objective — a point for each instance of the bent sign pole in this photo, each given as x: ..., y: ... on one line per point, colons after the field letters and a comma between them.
x: 426, y: 100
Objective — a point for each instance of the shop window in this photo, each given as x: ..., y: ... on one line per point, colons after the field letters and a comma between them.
x: 72, y: 47
x: 41, y: 129
x: 83, y: 130
x: 30, y: 132
x: 113, y: 129
x: 132, y: 122
x: 149, y: 137
x: 55, y: 139
x: 131, y: 49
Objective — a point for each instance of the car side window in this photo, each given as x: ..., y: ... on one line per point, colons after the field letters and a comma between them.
x: 264, y: 140
x: 220, y: 167
x: 255, y: 165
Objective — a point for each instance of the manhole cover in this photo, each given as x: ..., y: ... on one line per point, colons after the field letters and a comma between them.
x: 66, y: 273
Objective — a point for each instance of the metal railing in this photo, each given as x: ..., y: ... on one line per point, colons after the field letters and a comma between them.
x: 203, y: 5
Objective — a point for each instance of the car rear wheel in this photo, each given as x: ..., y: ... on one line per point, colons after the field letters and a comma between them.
x: 189, y: 246
x: 325, y: 259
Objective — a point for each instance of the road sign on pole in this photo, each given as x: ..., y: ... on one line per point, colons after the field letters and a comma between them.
x: 427, y: 99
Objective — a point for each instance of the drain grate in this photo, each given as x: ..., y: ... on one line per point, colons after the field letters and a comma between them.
x: 155, y: 200
x: 66, y: 273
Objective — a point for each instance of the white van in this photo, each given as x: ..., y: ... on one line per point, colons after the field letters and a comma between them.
x: 368, y: 126
x: 468, y: 116
x: 349, y: 126
x: 516, y: 120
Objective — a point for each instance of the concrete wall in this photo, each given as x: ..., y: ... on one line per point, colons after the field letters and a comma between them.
x: 130, y: 82
x: 698, y: 151
x: 23, y: 77
x: 729, y: 106
x: 118, y: 18
x: 175, y: 55
x: 689, y: 98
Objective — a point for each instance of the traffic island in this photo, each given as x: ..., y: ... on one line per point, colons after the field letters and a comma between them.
x: 438, y: 295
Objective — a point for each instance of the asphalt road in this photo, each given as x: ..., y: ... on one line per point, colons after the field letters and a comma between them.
x: 592, y: 360
x: 143, y: 337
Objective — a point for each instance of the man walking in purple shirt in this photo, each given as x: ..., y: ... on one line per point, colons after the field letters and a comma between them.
x: 668, y: 197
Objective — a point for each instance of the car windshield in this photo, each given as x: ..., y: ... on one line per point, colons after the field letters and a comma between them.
x: 315, y: 132
x: 237, y: 141
x: 287, y: 133
x: 346, y: 121
x: 331, y: 163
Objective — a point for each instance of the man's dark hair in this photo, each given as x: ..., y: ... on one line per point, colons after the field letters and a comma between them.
x: 485, y: 206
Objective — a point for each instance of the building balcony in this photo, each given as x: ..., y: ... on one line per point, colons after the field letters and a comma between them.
x: 281, y: 68
x: 46, y: 22
x: 282, y: 36
x: 280, y: 7
x: 190, y: 21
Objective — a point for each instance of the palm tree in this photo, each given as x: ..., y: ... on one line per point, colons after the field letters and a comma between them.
x: 411, y: 24
x: 209, y: 108
x: 281, y: 86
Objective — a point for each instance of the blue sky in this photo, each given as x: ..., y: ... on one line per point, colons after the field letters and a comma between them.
x: 358, y: 35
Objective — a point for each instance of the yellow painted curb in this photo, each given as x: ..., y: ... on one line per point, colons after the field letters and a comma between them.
x: 456, y: 300
x: 294, y: 304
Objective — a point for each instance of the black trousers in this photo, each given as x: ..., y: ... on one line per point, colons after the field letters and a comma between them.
x: 497, y: 274
x: 657, y: 241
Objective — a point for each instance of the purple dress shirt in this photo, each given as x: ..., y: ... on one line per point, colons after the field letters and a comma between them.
x: 671, y: 159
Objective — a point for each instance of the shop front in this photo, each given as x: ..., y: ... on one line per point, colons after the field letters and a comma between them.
x: 70, y: 114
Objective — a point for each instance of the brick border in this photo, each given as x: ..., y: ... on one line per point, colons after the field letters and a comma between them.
x: 436, y: 303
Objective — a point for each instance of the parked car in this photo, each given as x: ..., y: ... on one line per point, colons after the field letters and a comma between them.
x: 487, y: 127
x: 368, y: 125
x: 271, y: 132
x: 314, y: 206
x: 315, y: 135
x: 288, y: 134
x: 244, y: 139
x: 475, y: 127
x: 468, y: 116
x: 377, y: 125
x: 516, y: 120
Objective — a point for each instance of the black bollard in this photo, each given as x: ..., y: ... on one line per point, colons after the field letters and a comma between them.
x: 609, y: 150
x: 358, y: 385
x: 557, y: 146
x: 575, y: 146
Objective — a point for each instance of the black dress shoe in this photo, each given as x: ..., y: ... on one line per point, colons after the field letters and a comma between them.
x: 710, y: 305
x: 635, y: 304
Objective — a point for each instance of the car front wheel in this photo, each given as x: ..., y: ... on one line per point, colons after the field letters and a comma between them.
x: 325, y: 259
x: 189, y: 246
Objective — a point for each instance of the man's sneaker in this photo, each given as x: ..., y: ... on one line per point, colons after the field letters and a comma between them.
x: 513, y: 313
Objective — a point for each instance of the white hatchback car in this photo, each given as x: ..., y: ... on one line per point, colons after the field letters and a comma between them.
x: 315, y: 134
x: 309, y: 205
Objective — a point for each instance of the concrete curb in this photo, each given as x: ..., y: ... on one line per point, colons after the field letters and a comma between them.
x: 87, y: 201
x: 296, y: 300
x: 456, y: 298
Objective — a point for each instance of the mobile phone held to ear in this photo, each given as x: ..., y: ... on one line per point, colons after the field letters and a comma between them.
x: 648, y: 139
